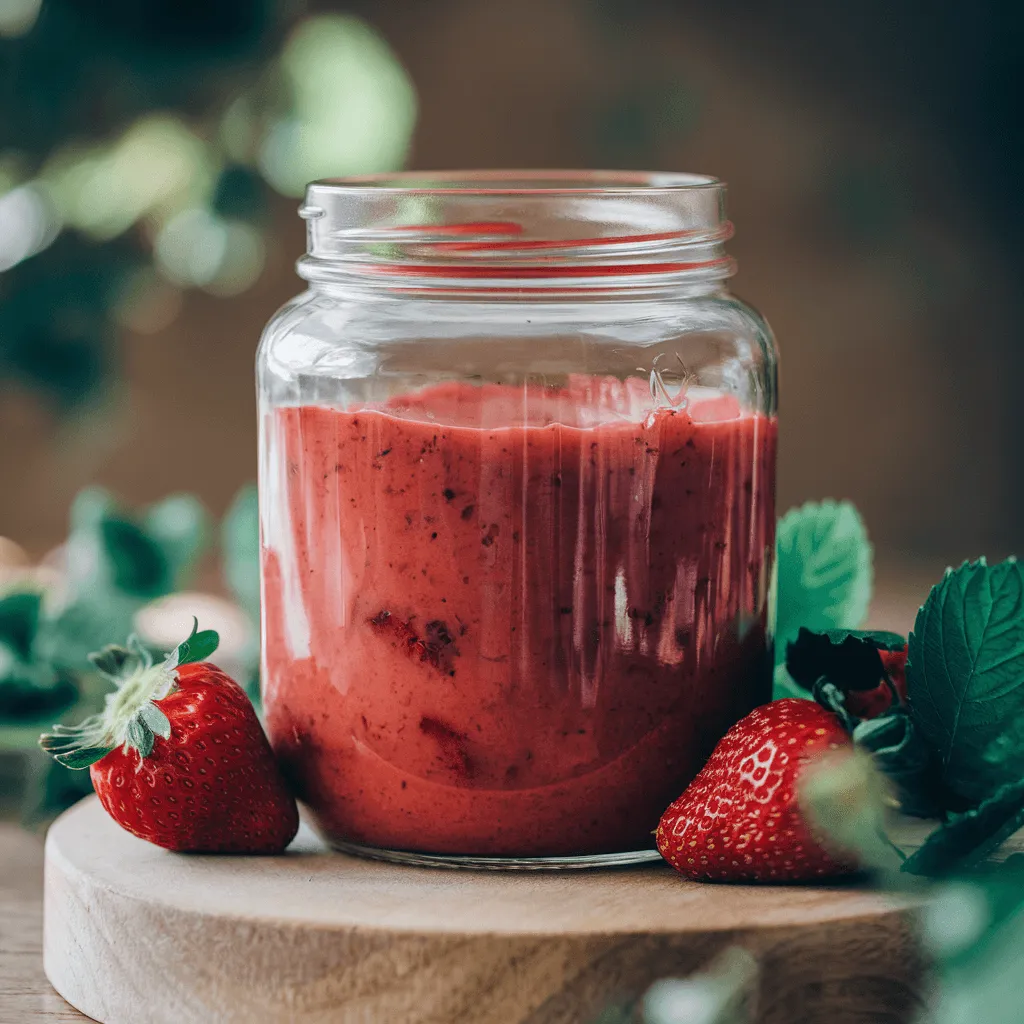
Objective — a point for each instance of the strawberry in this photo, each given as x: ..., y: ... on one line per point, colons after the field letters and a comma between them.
x: 872, y: 703
x: 178, y: 756
x: 739, y: 820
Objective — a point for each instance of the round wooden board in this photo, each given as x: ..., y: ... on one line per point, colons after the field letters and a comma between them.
x: 136, y: 935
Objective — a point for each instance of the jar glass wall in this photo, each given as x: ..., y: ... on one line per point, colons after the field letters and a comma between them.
x: 517, y: 466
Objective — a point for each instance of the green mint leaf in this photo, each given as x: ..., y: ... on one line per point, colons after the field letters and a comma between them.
x: 199, y: 646
x: 78, y: 759
x: 824, y: 567
x: 848, y: 658
x: 968, y: 839
x: 965, y: 671
x: 138, y: 564
x: 19, y: 620
x: 901, y: 752
x: 156, y: 720
x: 1005, y: 754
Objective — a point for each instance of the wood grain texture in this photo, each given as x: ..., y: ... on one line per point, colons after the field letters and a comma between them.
x: 25, y: 995
x: 136, y: 935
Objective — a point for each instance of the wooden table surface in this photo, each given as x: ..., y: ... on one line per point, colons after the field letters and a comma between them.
x: 26, y: 996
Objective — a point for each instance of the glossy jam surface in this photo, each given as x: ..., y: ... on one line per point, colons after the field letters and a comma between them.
x: 510, y: 621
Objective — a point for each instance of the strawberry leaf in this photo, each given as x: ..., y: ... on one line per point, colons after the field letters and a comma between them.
x: 848, y: 658
x: 199, y: 646
x: 968, y: 839
x: 140, y: 736
x: 115, y: 661
x: 900, y: 751
x: 965, y: 671
x: 155, y: 720
x: 78, y: 759
x: 824, y: 567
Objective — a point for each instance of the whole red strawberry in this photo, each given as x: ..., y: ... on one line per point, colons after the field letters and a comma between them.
x: 739, y: 820
x: 872, y: 703
x: 178, y: 756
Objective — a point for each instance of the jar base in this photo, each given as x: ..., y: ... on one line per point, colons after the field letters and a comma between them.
x: 587, y: 861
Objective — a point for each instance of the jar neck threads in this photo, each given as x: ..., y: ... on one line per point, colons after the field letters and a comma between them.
x: 517, y: 231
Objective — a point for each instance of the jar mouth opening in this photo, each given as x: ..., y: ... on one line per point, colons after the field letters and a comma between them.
x: 521, y: 183
x: 494, y: 230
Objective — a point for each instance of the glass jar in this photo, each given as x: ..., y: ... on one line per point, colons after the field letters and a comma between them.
x: 517, y: 471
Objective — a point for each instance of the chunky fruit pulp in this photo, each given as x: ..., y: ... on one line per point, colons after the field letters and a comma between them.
x: 511, y: 621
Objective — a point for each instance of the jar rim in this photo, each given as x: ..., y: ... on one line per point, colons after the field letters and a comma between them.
x: 520, y: 183
x: 483, y: 231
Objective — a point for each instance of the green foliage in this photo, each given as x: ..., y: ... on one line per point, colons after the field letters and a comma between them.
x: 240, y: 546
x: 973, y: 931
x: 823, y: 576
x: 967, y: 839
x: 824, y: 567
x: 198, y: 646
x: 240, y: 551
x: 178, y: 120
x: 847, y: 657
x: 29, y: 690
x: 19, y: 620
x: 114, y: 564
x: 965, y: 674
x: 956, y: 751
x: 59, y: 652
x: 56, y: 331
x: 906, y: 758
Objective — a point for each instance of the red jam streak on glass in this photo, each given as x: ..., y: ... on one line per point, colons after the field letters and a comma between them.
x: 512, y: 640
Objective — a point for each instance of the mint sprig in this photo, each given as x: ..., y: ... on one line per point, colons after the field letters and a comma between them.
x: 967, y: 839
x: 965, y: 672
x: 824, y: 566
x: 823, y: 577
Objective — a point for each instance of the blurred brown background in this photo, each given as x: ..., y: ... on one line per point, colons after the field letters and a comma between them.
x: 871, y: 156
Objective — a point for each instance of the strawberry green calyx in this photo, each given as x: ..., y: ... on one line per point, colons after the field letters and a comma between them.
x: 130, y: 718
